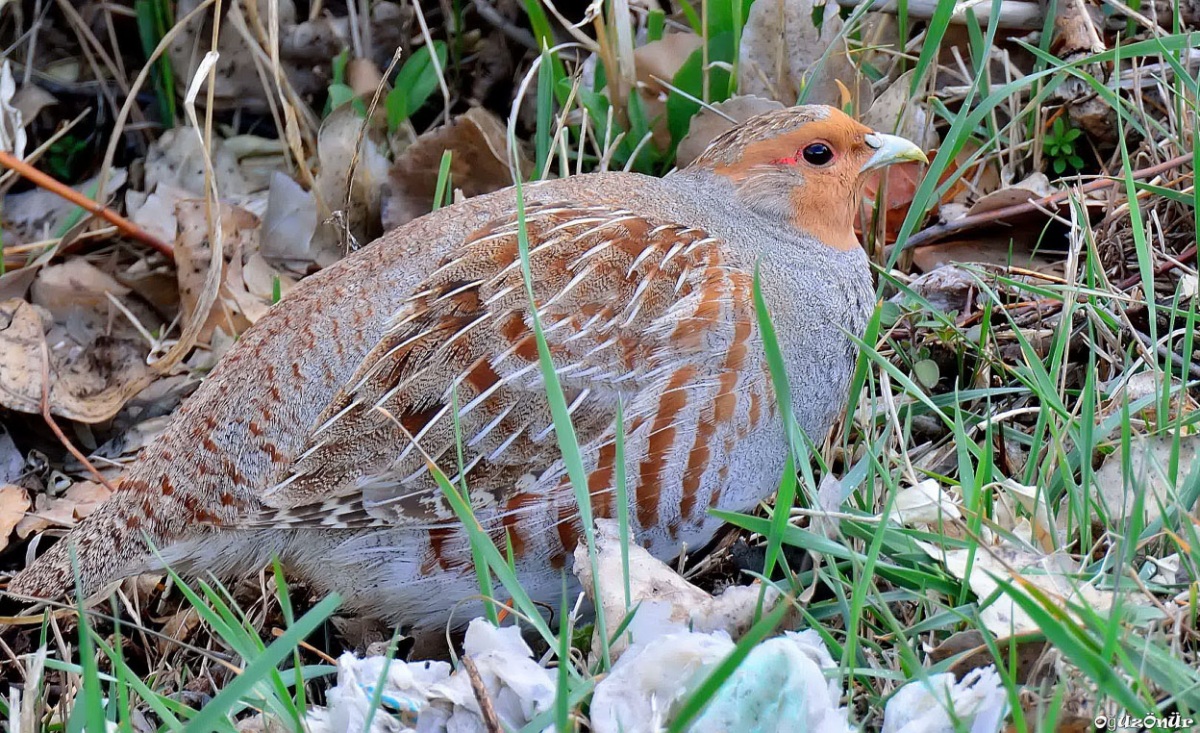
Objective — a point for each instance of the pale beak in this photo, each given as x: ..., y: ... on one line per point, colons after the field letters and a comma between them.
x: 891, y: 149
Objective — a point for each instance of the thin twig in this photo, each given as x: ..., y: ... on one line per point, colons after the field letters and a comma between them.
x: 934, y: 233
x: 58, y: 433
x: 1162, y: 269
x: 127, y: 227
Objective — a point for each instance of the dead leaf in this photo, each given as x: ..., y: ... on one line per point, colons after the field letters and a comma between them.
x: 895, y: 111
x: 14, y: 502
x: 1137, y: 387
x: 357, y: 201
x: 12, y: 463
x: 781, y: 47
x: 288, y: 226
x: 478, y: 165
x: 74, y: 284
x: 38, y: 214
x: 1149, y: 459
x: 1039, y: 528
x: 85, y: 497
x: 1053, y: 574
x: 1035, y: 186
x: 177, y: 628
x: 975, y: 653
x: 236, y: 308
x: 708, y: 123
x: 31, y: 100
x: 1009, y: 247
x: 902, y: 182
x: 927, y: 505
x: 156, y: 212
x: 363, y: 76
x: 177, y: 159
x: 947, y: 289
x: 12, y: 127
x: 664, y: 596
x: 89, y: 382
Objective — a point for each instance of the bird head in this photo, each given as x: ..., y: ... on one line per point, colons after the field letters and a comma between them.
x: 804, y: 165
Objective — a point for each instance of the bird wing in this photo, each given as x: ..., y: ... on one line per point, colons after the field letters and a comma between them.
x: 632, y: 309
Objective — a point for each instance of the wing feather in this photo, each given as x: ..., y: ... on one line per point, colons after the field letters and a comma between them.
x: 633, y: 308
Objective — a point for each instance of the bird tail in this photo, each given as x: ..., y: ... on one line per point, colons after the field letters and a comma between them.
x: 105, y: 547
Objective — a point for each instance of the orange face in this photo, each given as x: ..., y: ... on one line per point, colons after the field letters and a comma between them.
x: 807, y: 167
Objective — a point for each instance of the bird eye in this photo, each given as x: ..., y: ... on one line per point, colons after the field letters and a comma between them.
x: 818, y: 154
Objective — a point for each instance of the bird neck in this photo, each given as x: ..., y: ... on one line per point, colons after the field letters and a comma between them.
x: 826, y: 216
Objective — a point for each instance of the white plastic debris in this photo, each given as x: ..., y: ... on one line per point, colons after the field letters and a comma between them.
x: 781, y: 685
x: 428, y: 697
x: 663, y: 594
x: 977, y: 703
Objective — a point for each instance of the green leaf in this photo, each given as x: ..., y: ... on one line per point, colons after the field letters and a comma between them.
x: 690, y: 80
x: 414, y: 84
x: 339, y: 94
x: 927, y: 373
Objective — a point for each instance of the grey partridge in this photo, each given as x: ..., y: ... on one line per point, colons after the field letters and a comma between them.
x: 308, y: 439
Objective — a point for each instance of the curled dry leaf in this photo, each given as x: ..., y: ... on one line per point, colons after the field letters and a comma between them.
x: 89, y: 382
x: 708, y: 123
x: 343, y: 146
x: 14, y: 502
x: 1039, y: 528
x: 781, y: 48
x: 12, y: 127
x: 477, y: 142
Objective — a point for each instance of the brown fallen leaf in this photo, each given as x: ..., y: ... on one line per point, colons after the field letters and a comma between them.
x: 14, y: 502
x: 975, y: 653
x: 478, y: 165
x: 75, y: 283
x: 1149, y: 461
x: 76, y: 504
x: 88, y: 384
x: 239, y: 303
x: 1006, y: 247
x: 178, y: 627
